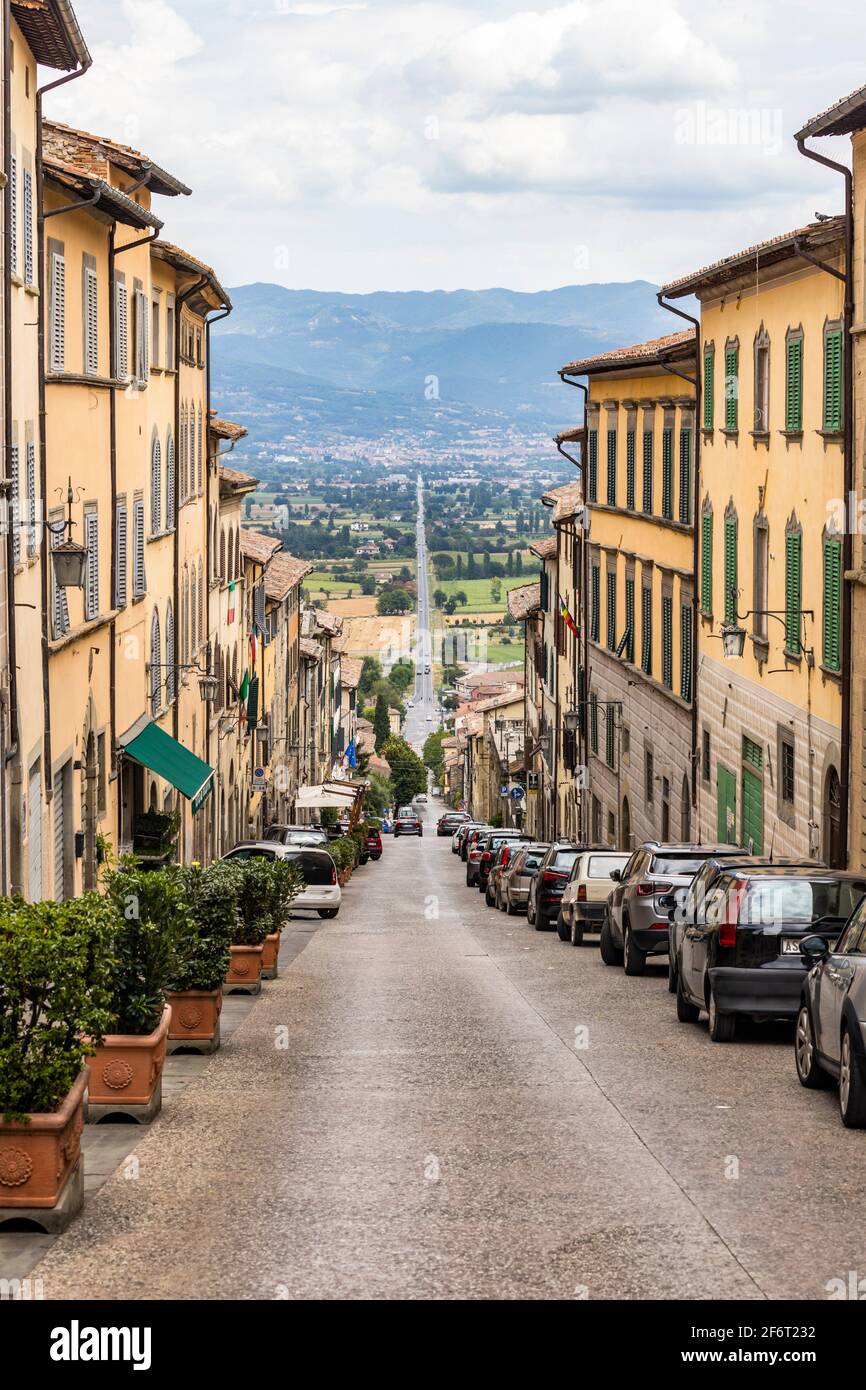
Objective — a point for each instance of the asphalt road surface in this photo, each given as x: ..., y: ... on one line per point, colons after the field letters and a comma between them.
x: 435, y: 1100
x: 422, y: 719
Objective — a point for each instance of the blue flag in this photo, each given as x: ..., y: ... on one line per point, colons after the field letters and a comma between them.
x: 351, y: 759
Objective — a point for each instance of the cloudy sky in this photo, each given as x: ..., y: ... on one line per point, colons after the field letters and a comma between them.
x: 380, y: 145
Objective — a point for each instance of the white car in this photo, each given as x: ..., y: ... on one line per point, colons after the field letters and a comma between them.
x: 585, y: 896
x: 321, y: 892
x: 429, y: 719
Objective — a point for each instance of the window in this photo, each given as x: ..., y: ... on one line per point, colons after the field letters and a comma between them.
x: 668, y: 641
x: 592, y: 481
x: 610, y: 736
x: 169, y: 334
x: 833, y: 378
x: 686, y: 653
x: 121, y: 555
x: 761, y: 569
x: 647, y: 470
x: 593, y: 721
x: 121, y: 329
x: 787, y: 781
x: 794, y: 381
x: 707, y: 561
x: 199, y: 451
x: 155, y: 349
x: 730, y: 604
x: 611, y: 610
x: 57, y: 313
x: 91, y: 319
x: 15, y: 503
x: 155, y: 665
x: 199, y: 607
x: 142, y: 364
x: 139, y: 580
x: 595, y: 595
x: 732, y: 386
x: 155, y: 487
x: 762, y: 382
x: 832, y: 602
x: 28, y: 227
x: 13, y: 215
x: 706, y: 760
x: 649, y: 774
x: 793, y: 585
x: 685, y: 511
x: 709, y: 403
x: 32, y: 531
x: 611, y: 467
x: 59, y: 603
x: 91, y: 582
x: 171, y: 670
x: 629, y: 618
x: 170, y: 484
x: 668, y: 473
x: 629, y: 470
x: 646, y: 630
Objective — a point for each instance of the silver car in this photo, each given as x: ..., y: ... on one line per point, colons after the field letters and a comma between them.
x: 830, y: 1040
x: 321, y: 891
x: 515, y: 881
x: 636, y: 922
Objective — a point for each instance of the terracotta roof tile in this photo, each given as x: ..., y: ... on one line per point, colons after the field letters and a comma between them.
x: 51, y: 30
x: 649, y: 351
x: 283, y: 573
x: 566, y: 500
x: 524, y: 601
x: 191, y: 265
x: 842, y: 118
x: 310, y: 648
x: 350, y: 671
x: 257, y: 547
x: 111, y: 200
x: 92, y: 154
x: 571, y: 436
x: 759, y: 256
x: 331, y: 623
x: 545, y: 549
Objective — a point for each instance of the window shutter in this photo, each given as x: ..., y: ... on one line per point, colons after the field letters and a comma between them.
x: 121, y: 556
x: 593, y: 465
x: 15, y: 504
x: 793, y: 563
x: 31, y: 499
x: 259, y: 607
x: 28, y: 228
x: 685, y: 512
x: 732, y: 387
x: 832, y: 603
x: 156, y: 488
x: 647, y: 470
x: 629, y: 619
x: 794, y: 386
x: 596, y: 602
x: 707, y: 562
x: 609, y: 737
x: 593, y: 720
x: 647, y: 630
x: 611, y: 610
x: 730, y: 604
x: 170, y: 485
x: 121, y: 328
x: 833, y: 381
x: 629, y: 470
x: 91, y: 587
x: 57, y: 314
x: 611, y: 468
x: 668, y: 474
x: 709, y: 404
x: 59, y: 604
x: 199, y: 450
x: 668, y: 641
x: 686, y: 639
x: 13, y: 214
x: 155, y: 665
x: 199, y: 607
x: 139, y: 582
x: 91, y: 322
x: 169, y: 655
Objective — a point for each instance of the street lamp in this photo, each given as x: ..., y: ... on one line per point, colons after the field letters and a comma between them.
x: 68, y: 557
x: 734, y: 634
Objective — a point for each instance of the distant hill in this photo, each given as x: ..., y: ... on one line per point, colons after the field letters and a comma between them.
x: 460, y: 352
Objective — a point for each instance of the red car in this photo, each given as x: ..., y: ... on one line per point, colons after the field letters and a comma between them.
x: 374, y: 842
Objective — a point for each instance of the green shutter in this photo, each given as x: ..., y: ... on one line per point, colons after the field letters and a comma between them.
x: 833, y: 381
x: 730, y: 605
x: 629, y: 470
x: 629, y: 619
x: 647, y: 470
x: 794, y: 386
x: 596, y: 602
x: 611, y: 610
x: 793, y: 581
x: 732, y: 387
x: 707, y: 562
x: 685, y: 512
x: 686, y: 638
x: 609, y: 737
x: 593, y: 721
x: 593, y: 465
x: 709, y: 404
x: 832, y: 603
x: 668, y: 474
x: 611, y: 468
x: 647, y: 631
x: 668, y: 641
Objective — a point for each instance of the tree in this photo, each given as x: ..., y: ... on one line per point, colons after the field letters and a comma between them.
x: 439, y: 597
x: 518, y: 563
x: 471, y: 567
x: 381, y: 722
x: 368, y: 585
x: 393, y: 601
x: 371, y: 672
x: 433, y: 754
x: 496, y: 590
x: 460, y: 598
x: 510, y: 562
x: 458, y: 568
x: 408, y: 775
x: 402, y: 675
x: 443, y: 563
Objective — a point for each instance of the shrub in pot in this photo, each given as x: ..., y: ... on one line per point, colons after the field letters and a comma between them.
x: 56, y: 974
x: 195, y: 988
x: 266, y: 889
x: 344, y: 853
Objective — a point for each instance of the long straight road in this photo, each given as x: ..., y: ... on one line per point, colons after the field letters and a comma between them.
x: 434, y: 1100
x: 421, y: 719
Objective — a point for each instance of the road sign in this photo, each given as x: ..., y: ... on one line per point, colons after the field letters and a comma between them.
x: 260, y: 779
x: 517, y: 793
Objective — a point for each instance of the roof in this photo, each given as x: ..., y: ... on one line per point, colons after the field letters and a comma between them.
x: 842, y: 118
x: 545, y: 549
x: 565, y: 500
x: 232, y: 481
x: 310, y: 648
x: 571, y: 436
x: 257, y: 547
x: 226, y: 429
x: 52, y: 33
x: 196, y: 269
x: 101, y: 196
x: 524, y: 601
x: 814, y: 237
x: 284, y: 572
x: 350, y: 671
x: 93, y: 154
x: 650, y: 352
x: 508, y: 697
x: 328, y: 622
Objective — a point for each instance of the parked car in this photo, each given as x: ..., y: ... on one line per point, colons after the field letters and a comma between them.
x: 448, y: 823
x: 468, y: 842
x: 516, y: 877
x: 548, y: 884
x: 496, y: 844
x: 829, y: 1039
x: 460, y: 835
x: 741, y: 954
x: 407, y: 822
x: 373, y: 842
x: 584, y: 901
x: 297, y: 834
x: 421, y: 799
x: 636, y: 923
x: 321, y: 892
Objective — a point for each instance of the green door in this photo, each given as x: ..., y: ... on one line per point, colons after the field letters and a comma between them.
x: 726, y: 802
x: 753, y: 797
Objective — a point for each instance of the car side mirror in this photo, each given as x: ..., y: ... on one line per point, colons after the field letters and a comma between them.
x: 814, y: 949
x: 616, y: 875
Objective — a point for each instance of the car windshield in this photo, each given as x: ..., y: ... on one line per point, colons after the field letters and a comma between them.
x: 565, y: 858
x: 804, y: 901
x: 684, y: 864
x: 316, y: 869
x: 600, y: 865
x: 252, y: 852
x: 304, y: 837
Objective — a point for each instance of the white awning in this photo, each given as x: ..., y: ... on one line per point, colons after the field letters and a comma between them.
x: 326, y: 795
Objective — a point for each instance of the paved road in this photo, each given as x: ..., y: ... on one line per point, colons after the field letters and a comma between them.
x: 422, y: 719
x: 431, y: 1130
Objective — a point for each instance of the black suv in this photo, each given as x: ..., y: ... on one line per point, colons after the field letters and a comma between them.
x: 407, y: 822
x: 740, y: 949
x: 548, y: 885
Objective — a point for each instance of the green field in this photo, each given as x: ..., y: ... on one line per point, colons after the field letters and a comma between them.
x: 477, y: 592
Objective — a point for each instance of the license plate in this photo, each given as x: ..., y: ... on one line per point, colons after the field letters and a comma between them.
x: 790, y: 945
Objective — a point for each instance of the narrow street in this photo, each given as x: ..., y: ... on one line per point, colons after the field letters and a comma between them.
x: 404, y: 1114
x: 421, y: 719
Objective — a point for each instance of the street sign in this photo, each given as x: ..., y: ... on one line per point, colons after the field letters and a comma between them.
x: 517, y: 793
x: 503, y: 790
x: 260, y: 779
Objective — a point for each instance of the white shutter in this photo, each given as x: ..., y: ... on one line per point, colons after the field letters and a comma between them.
x: 155, y: 664
x: 34, y: 835
x: 59, y: 603
x: 142, y: 367
x: 169, y: 655
x: 28, y: 227
x: 121, y: 554
x: 199, y: 452
x: 13, y: 211
x: 91, y: 322
x: 57, y: 314
x: 31, y: 498
x: 156, y: 489
x: 170, y: 485
x: 139, y: 582
x: 15, y: 505
x: 91, y: 589
x: 121, y: 329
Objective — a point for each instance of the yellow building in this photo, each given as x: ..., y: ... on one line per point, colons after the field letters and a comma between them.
x: 281, y: 699
x: 567, y: 503
x: 771, y: 543
x: 637, y: 691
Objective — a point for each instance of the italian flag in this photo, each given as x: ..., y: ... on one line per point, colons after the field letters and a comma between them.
x: 566, y: 617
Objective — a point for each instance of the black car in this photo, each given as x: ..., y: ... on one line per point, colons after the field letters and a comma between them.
x: 548, y: 885
x: 407, y: 822
x: 490, y: 845
x: 447, y: 824
x: 740, y: 950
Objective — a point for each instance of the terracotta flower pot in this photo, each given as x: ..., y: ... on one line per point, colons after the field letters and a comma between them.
x: 270, y: 956
x: 245, y: 969
x: 37, y: 1158
x: 126, y: 1073
x: 195, y: 1019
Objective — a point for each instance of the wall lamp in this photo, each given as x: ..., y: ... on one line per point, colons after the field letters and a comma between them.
x: 69, y: 558
x: 734, y: 634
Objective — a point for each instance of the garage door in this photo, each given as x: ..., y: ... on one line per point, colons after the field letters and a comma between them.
x: 753, y: 797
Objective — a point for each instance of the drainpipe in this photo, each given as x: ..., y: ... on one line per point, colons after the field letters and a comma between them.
x: 848, y: 467
x: 11, y: 713
x: 584, y: 552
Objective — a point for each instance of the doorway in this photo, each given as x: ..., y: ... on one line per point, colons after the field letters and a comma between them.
x: 832, y: 848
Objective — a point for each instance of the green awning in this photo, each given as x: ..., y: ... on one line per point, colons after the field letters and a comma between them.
x: 151, y: 746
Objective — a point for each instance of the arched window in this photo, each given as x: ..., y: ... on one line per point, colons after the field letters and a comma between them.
x: 184, y: 617
x: 170, y: 483
x: 236, y: 554
x: 155, y: 664
x: 200, y: 606
x: 170, y: 664
x: 199, y: 450
x: 182, y: 452
x: 155, y: 486
x: 222, y: 570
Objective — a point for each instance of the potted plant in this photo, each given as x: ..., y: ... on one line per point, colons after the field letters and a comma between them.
x: 286, y: 882
x: 195, y: 989
x: 126, y: 1067
x: 56, y: 967
x: 266, y: 887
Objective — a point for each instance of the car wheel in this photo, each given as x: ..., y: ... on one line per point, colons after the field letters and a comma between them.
x: 672, y: 974
x: 328, y: 911
x: 687, y: 1012
x: 491, y: 902
x: 510, y: 909
x: 561, y: 926
x: 530, y: 914
x: 576, y: 931
x: 633, y: 958
x: 810, y: 1073
x: 852, y: 1085
x: 610, y: 953
x: 722, y: 1025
